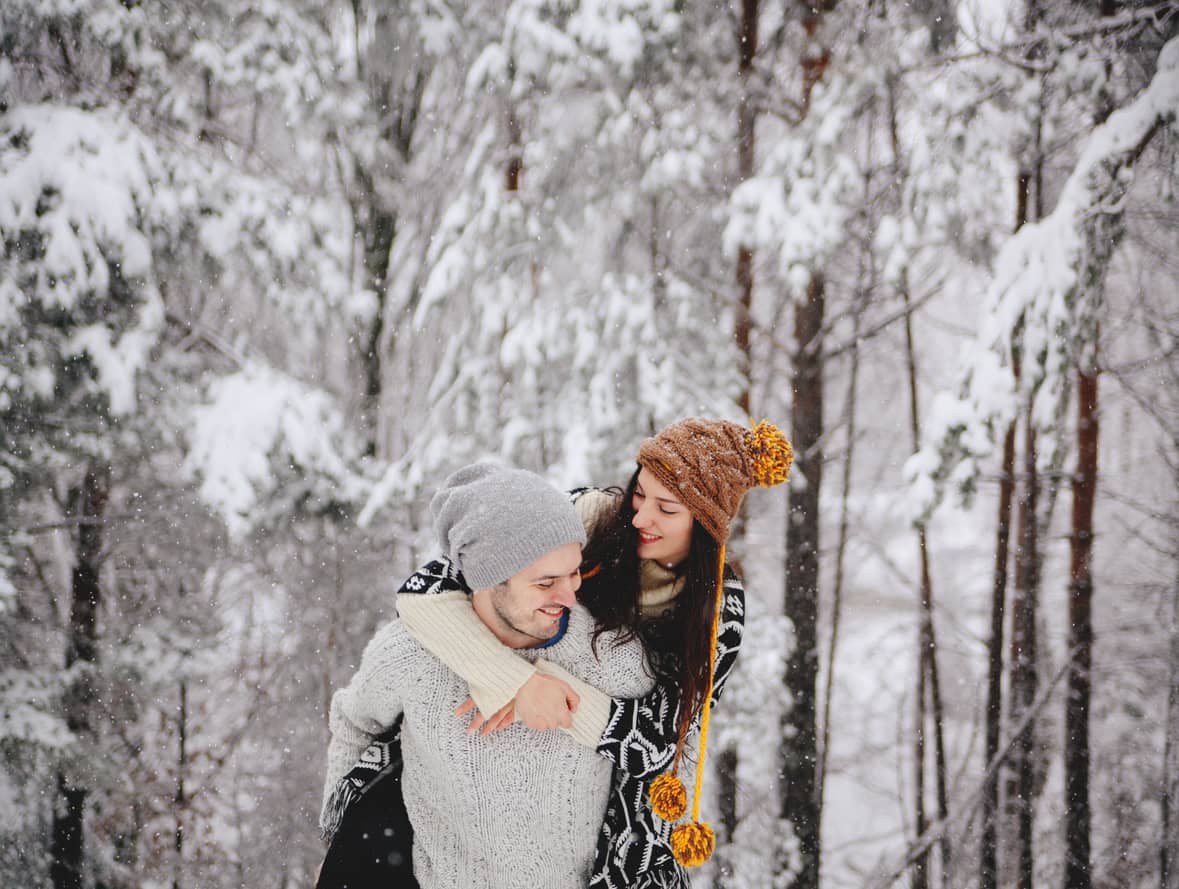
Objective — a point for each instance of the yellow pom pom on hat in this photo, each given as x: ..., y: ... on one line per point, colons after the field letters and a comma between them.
x: 692, y: 844
x: 669, y: 800
x: 709, y: 464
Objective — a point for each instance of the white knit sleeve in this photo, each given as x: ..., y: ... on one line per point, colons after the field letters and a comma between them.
x: 592, y: 503
x: 447, y: 626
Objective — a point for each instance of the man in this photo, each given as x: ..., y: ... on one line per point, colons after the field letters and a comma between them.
x: 514, y: 808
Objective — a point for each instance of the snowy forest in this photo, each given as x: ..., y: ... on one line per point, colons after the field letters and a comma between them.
x: 272, y: 269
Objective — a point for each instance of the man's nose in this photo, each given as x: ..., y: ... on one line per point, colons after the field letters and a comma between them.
x: 566, y: 590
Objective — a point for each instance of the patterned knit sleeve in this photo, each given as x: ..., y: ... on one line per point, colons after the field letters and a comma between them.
x: 640, y: 737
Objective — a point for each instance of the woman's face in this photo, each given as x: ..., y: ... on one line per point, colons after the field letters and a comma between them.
x: 663, y: 522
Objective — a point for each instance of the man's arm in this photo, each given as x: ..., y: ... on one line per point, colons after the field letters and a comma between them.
x: 368, y: 705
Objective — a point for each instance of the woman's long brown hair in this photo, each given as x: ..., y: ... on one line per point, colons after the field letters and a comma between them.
x: 678, y: 643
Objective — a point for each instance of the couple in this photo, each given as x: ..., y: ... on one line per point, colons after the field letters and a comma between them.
x: 623, y: 646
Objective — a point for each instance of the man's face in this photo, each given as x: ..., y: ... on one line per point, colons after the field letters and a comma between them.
x: 526, y: 610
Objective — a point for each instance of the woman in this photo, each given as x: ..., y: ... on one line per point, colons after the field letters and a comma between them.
x: 654, y: 565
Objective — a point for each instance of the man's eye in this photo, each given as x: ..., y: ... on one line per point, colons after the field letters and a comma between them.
x: 547, y: 585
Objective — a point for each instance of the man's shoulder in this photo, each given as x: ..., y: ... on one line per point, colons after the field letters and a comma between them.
x: 392, y: 644
x: 616, y: 667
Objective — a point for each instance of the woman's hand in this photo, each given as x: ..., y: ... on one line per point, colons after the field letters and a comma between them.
x: 501, y: 718
x: 546, y: 702
x: 543, y: 703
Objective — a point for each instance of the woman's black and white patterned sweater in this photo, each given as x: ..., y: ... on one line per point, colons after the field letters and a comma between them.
x: 637, y: 735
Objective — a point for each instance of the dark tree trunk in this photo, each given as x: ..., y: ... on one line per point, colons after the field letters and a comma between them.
x: 1022, y: 666
x: 68, y: 843
x: 1169, y: 848
x: 395, y: 104
x: 929, y: 685
x: 515, y: 164
x: 920, y: 876
x: 798, y: 775
x: 989, y: 858
x: 799, y: 754
x: 376, y: 227
x: 849, y: 424
x: 937, y: 708
x: 726, y: 763
x: 181, y: 799
x: 1024, y: 656
x: 746, y: 144
x: 1076, y: 713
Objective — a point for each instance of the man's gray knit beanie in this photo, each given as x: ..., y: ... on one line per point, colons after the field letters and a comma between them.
x: 494, y: 521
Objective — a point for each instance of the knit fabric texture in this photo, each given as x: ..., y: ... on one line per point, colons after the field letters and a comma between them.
x: 710, y: 464
x: 513, y: 809
x: 494, y: 521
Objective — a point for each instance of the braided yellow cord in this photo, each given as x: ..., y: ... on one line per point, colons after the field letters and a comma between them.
x: 692, y: 844
x: 720, y: 598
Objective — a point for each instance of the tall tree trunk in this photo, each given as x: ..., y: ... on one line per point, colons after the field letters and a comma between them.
x: 797, y: 777
x: 726, y: 763
x: 1022, y: 666
x: 920, y: 876
x: 799, y: 754
x: 849, y: 424
x: 395, y: 105
x: 746, y: 145
x: 181, y: 800
x: 929, y: 685
x: 1169, y: 848
x: 515, y: 165
x: 1024, y: 654
x: 68, y: 843
x: 376, y: 227
x: 988, y: 857
x: 1076, y: 713
x: 1077, y: 849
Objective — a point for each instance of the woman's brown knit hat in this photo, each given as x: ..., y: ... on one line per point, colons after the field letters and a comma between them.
x: 710, y: 464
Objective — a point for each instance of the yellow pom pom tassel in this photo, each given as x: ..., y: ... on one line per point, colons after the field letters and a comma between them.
x: 692, y: 843
x: 771, y: 454
x: 669, y: 799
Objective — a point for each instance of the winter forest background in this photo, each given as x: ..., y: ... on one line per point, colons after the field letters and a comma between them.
x: 272, y: 269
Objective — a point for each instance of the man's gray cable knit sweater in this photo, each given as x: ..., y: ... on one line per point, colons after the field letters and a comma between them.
x: 514, y: 809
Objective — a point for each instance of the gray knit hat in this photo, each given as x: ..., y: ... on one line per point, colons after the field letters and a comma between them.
x: 493, y: 521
